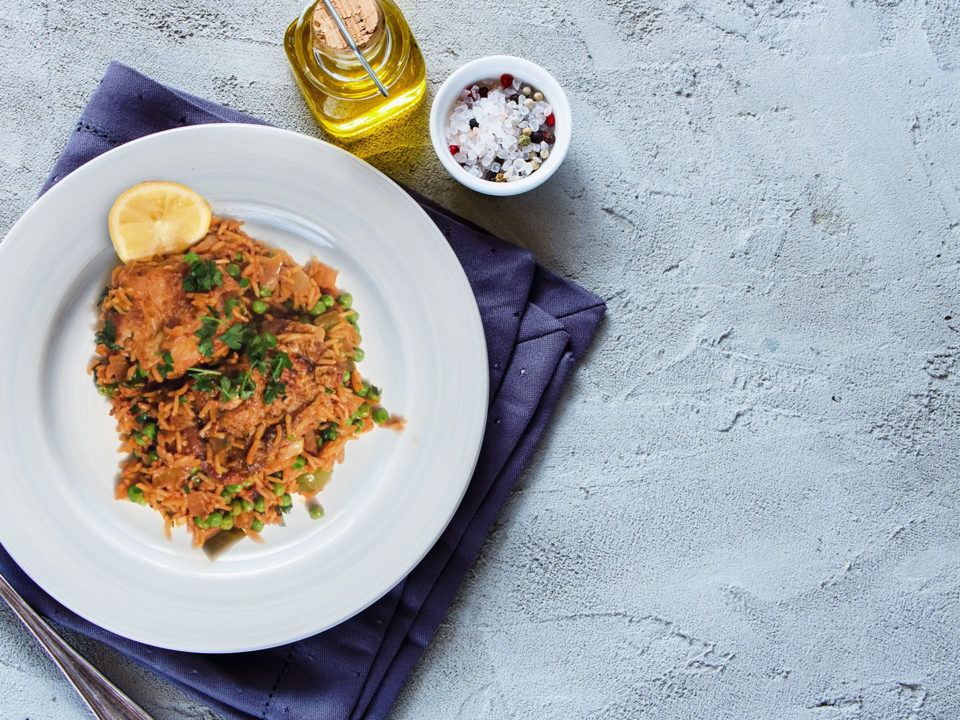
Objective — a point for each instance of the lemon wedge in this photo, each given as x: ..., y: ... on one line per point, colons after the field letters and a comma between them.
x: 155, y: 218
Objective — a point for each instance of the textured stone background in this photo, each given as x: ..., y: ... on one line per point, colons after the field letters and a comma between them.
x: 747, y: 504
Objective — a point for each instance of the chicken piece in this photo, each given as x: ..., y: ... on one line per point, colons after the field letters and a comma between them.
x: 162, y: 316
x: 304, y: 346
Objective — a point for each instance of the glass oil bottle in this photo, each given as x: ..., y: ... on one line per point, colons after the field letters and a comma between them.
x: 342, y: 96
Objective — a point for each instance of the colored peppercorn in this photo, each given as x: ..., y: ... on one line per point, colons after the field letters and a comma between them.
x: 523, y: 140
x: 474, y: 123
x: 506, y: 79
x: 454, y: 149
x: 536, y: 136
x: 483, y: 92
x: 550, y: 120
x: 549, y: 137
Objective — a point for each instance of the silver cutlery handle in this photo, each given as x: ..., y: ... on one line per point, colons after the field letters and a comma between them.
x: 104, y: 698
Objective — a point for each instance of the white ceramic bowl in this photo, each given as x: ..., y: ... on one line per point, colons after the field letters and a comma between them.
x: 488, y: 68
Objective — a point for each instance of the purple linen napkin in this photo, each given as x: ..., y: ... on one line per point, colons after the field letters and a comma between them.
x: 537, y: 326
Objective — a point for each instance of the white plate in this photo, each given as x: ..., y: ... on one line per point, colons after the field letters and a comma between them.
x: 389, y: 501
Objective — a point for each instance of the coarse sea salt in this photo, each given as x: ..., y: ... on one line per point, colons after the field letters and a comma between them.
x: 486, y: 130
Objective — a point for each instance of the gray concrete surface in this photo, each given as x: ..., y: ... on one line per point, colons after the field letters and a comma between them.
x: 747, y: 504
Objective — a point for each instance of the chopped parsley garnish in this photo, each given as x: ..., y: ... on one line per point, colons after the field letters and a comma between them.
x: 256, y: 350
x: 227, y: 391
x: 103, y: 296
x: 278, y: 363
x: 256, y: 347
x: 273, y: 390
x: 167, y: 366
x: 139, y: 376
x: 233, y: 337
x: 246, y: 386
x: 241, y: 386
x: 203, y: 380
x: 205, y: 334
x: 202, y: 276
x: 229, y: 305
x: 108, y: 336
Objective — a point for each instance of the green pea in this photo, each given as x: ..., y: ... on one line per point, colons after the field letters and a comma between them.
x: 139, y: 439
x: 256, y: 525
x: 200, y: 522
x: 232, y: 488
x: 286, y: 500
x: 259, y: 504
x: 233, y: 270
x: 346, y: 377
x: 358, y: 354
x: 329, y: 434
x: 150, y: 430
x: 106, y: 390
x: 226, y: 523
x: 244, y: 282
x: 246, y: 505
x: 278, y: 489
x: 299, y: 463
x: 236, y: 507
x: 380, y: 416
x: 266, y: 292
x: 238, y: 257
x: 364, y: 389
x: 136, y: 494
x: 353, y: 317
x: 316, y: 511
x: 317, y: 308
x: 215, y: 520
x: 259, y: 307
x: 345, y: 300
x: 327, y: 300
x: 363, y: 411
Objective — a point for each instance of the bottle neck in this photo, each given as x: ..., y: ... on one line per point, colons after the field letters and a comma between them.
x: 367, y: 26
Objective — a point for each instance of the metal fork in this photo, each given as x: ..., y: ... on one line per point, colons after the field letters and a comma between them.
x: 104, y: 698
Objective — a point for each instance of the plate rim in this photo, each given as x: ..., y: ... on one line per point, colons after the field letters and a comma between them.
x: 49, y: 200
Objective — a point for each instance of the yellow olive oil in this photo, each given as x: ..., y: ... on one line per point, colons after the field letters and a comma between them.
x: 341, y: 95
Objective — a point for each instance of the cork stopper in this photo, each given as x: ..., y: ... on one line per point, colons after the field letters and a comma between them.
x: 360, y: 16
